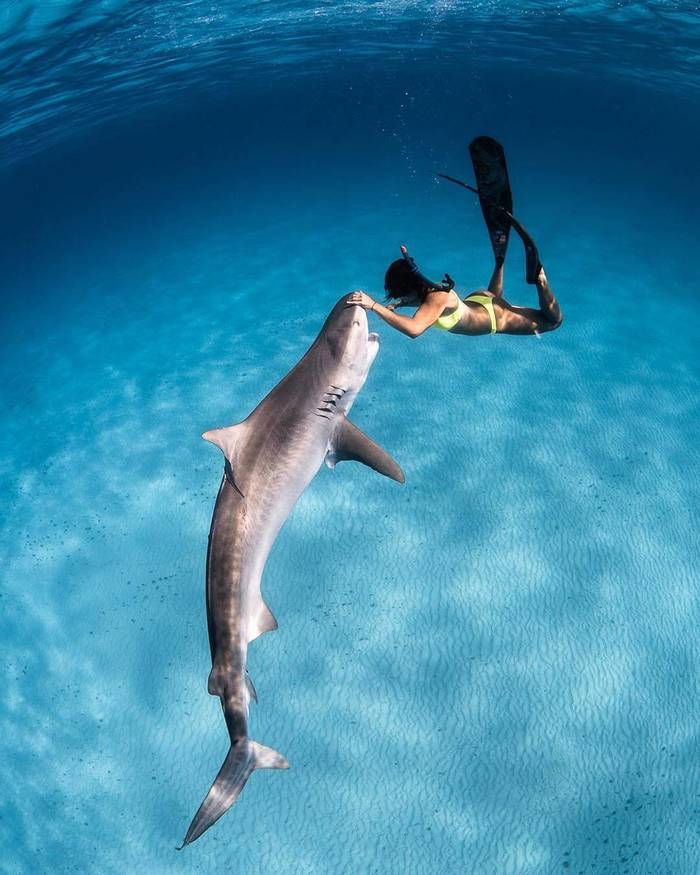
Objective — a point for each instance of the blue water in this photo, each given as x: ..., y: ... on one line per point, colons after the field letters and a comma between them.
x: 491, y: 670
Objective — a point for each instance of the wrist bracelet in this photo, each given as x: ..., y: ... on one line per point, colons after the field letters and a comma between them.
x: 373, y: 303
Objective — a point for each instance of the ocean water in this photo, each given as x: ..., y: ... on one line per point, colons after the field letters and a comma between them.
x: 490, y: 670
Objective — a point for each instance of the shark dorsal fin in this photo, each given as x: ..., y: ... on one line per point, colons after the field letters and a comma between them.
x: 225, y: 438
x: 351, y: 444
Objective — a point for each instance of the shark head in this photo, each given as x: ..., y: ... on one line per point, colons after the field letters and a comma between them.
x: 348, y: 349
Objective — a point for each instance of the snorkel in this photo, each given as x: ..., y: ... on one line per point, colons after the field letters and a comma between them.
x: 511, y: 218
x: 445, y: 285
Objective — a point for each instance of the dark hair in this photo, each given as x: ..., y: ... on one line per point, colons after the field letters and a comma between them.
x: 401, y: 281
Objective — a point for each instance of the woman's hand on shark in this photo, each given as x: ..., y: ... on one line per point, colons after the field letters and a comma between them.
x: 361, y: 299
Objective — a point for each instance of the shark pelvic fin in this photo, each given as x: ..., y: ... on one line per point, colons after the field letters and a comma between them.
x: 216, y: 684
x: 225, y: 438
x: 351, y: 444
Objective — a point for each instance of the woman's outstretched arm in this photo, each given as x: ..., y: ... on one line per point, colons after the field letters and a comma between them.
x: 412, y: 326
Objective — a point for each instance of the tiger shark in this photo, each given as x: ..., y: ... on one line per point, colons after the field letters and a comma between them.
x: 269, y: 460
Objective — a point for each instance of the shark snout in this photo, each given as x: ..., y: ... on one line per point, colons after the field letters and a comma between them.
x: 357, y: 314
x: 358, y: 321
x: 347, y: 334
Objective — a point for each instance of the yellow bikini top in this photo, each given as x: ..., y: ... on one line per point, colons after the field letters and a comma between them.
x: 449, y: 321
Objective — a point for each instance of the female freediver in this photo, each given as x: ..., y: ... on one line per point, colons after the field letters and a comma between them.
x: 485, y: 311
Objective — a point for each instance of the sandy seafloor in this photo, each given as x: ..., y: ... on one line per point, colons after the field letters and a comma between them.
x: 492, y: 669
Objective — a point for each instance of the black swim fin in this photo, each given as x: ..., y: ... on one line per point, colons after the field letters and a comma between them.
x: 495, y: 196
x: 496, y: 202
x: 533, y: 265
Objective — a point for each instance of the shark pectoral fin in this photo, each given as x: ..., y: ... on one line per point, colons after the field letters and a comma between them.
x: 225, y: 438
x: 351, y: 444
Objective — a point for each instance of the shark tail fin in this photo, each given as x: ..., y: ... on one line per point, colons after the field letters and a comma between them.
x: 241, y: 761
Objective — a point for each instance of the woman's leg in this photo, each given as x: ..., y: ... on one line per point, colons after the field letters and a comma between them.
x: 496, y: 281
x: 549, y: 306
x: 523, y: 320
x: 500, y: 243
x: 528, y: 320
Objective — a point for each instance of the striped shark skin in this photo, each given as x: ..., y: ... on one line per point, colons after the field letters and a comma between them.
x: 269, y: 460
